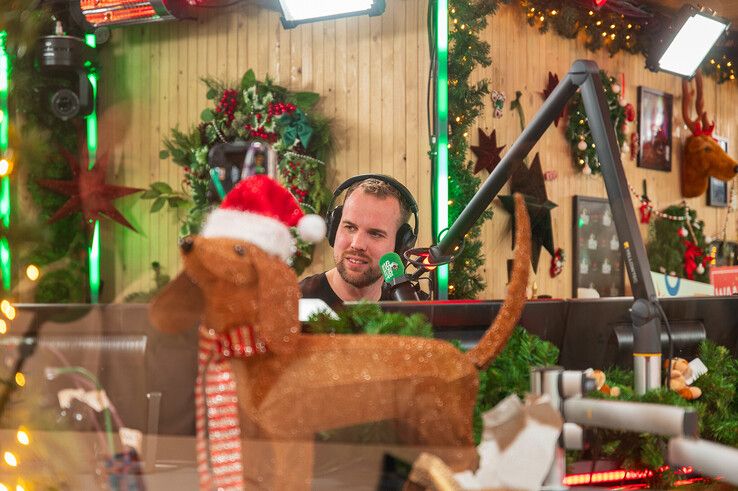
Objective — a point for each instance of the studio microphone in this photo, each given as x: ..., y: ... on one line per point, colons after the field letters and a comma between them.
x: 394, y: 276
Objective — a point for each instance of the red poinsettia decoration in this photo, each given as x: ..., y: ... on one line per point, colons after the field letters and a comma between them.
x: 88, y: 192
x: 695, y: 259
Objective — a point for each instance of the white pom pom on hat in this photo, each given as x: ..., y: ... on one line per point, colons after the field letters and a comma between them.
x: 261, y: 211
x: 311, y: 228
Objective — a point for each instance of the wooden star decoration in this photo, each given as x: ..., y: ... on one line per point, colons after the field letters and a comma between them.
x: 88, y: 192
x: 487, y: 152
x: 553, y: 81
x: 530, y: 182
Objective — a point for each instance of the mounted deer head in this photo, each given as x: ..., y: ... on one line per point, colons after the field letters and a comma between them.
x: 703, y: 156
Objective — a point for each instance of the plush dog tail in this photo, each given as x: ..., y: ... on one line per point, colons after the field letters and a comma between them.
x: 495, y: 339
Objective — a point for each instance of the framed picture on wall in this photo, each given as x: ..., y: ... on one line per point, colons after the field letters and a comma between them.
x: 654, y: 129
x: 598, y: 263
x: 717, y: 190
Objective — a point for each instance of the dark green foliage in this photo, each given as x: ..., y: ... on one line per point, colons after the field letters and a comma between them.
x: 717, y: 409
x: 368, y: 318
x: 509, y: 373
x: 466, y: 51
x: 666, y: 248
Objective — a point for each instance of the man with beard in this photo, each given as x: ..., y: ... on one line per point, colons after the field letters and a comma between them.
x: 371, y: 223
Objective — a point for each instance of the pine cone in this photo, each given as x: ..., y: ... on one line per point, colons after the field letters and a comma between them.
x: 203, y: 134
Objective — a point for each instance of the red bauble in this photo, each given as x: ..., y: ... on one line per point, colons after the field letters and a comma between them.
x: 630, y: 113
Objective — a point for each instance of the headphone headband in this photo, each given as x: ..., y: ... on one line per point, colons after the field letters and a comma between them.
x: 404, y: 192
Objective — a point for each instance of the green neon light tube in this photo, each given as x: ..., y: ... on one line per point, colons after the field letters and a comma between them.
x: 4, y: 87
x: 5, y: 263
x: 441, y: 205
x: 93, y: 252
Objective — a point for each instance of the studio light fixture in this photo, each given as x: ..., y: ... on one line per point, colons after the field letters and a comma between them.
x: 296, y: 12
x: 686, y: 41
x: 123, y: 12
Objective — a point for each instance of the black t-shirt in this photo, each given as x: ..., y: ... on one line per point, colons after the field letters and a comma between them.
x: 317, y: 286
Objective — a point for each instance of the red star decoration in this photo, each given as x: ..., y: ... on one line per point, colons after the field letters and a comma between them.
x: 88, y: 192
x: 487, y: 152
x: 553, y: 81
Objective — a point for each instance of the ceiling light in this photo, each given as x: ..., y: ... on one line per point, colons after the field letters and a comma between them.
x: 295, y: 12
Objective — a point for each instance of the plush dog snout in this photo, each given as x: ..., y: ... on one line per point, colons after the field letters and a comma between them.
x: 186, y: 244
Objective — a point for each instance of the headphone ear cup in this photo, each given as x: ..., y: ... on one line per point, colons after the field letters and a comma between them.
x: 333, y: 219
x: 405, y: 239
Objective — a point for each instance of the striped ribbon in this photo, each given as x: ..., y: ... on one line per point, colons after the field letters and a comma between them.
x: 216, y: 406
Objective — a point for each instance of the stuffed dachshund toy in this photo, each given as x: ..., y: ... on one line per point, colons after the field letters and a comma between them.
x: 265, y: 389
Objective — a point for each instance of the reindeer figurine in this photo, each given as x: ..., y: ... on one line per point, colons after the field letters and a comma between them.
x: 265, y: 389
x: 703, y: 156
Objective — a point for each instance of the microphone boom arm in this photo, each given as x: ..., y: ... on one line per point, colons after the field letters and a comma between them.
x: 585, y: 76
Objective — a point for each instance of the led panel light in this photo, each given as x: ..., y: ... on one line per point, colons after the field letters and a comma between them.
x: 688, y: 42
x: 295, y: 12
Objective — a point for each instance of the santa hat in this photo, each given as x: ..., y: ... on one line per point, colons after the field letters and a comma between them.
x: 260, y: 211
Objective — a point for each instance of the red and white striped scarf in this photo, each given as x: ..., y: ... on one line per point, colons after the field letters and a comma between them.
x: 218, y: 432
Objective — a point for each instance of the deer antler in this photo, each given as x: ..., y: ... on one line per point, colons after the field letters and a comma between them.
x: 700, y: 122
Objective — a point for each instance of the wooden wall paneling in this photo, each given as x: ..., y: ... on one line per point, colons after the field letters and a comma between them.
x: 526, y: 70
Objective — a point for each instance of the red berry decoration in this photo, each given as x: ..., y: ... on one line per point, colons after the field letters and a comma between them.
x: 227, y: 104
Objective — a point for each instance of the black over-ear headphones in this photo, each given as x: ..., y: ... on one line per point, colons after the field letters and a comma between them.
x: 406, y: 235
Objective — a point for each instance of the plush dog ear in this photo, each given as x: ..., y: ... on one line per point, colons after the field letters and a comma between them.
x: 178, y: 306
x: 279, y: 296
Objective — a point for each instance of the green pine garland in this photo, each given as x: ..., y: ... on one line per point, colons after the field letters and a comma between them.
x: 609, y: 30
x: 666, y: 248
x: 577, y: 128
x: 466, y: 51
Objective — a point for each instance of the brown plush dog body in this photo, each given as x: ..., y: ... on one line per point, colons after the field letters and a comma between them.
x: 306, y: 383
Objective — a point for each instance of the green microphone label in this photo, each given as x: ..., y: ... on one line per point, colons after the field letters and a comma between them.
x: 391, y: 266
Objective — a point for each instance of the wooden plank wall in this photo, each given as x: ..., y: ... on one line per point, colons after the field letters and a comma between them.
x: 371, y: 72
x: 372, y: 75
x: 522, y: 58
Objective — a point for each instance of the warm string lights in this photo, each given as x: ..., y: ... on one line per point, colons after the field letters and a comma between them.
x: 721, y: 67
x: 615, y: 30
x: 603, y: 28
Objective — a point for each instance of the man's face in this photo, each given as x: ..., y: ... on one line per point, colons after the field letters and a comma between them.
x: 366, y: 232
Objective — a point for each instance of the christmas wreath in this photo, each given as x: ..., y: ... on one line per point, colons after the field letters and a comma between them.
x: 253, y: 110
x: 578, y: 133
